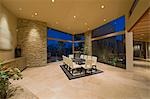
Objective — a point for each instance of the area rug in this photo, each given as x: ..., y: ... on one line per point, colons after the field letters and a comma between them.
x: 78, y: 74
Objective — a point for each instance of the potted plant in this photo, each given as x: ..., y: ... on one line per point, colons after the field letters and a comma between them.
x: 5, y: 75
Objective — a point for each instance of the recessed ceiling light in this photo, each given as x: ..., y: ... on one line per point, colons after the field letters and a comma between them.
x: 56, y: 22
x: 85, y: 23
x: 74, y: 16
x: 35, y: 13
x: 20, y: 9
x: 102, y: 6
x: 53, y: 0
x: 16, y: 30
x: 104, y: 19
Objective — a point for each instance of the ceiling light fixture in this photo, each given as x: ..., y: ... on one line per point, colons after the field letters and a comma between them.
x: 102, y: 6
x: 53, y: 0
x: 104, y: 19
x: 85, y: 23
x: 20, y: 9
x: 74, y: 16
x: 35, y: 13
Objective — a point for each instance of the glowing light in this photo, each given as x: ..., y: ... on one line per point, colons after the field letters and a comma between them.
x: 20, y: 9
x: 35, y: 13
x: 53, y: 0
x: 102, y: 6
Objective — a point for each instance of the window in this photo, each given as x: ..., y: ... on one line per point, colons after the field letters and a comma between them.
x: 58, y: 35
x: 116, y: 25
x: 79, y: 37
x: 79, y: 46
x: 110, y: 50
x: 58, y: 44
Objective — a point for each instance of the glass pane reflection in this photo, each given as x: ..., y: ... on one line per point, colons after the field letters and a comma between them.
x: 110, y: 50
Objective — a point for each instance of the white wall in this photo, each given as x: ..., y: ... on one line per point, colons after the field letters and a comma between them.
x: 8, y: 24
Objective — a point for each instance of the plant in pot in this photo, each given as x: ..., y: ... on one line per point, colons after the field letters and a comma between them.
x: 6, y: 74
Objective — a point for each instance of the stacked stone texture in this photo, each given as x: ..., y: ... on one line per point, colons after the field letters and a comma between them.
x: 19, y: 63
x: 88, y: 42
x: 32, y: 37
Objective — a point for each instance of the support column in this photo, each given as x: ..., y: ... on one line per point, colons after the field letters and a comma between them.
x: 32, y: 37
x: 146, y: 50
x: 73, y: 44
x: 129, y: 50
x: 88, y: 43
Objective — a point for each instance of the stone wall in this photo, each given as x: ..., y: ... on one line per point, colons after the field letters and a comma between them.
x: 32, y: 38
x: 19, y: 63
x: 88, y: 43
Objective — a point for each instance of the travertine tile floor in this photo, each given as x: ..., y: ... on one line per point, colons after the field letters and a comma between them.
x: 50, y: 82
x: 142, y: 63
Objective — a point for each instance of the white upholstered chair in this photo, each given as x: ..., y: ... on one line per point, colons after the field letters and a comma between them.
x: 71, y: 56
x: 94, y: 62
x: 72, y: 65
x: 88, y: 65
x: 82, y: 56
x: 89, y: 57
x: 85, y: 57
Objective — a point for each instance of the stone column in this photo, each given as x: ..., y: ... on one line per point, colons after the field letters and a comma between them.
x: 73, y: 44
x: 88, y: 43
x: 129, y: 50
x: 146, y: 50
x: 32, y: 37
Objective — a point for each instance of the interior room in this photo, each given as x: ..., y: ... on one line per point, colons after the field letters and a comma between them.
x: 74, y: 49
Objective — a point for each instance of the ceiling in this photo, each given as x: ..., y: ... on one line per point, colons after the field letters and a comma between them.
x: 141, y: 30
x: 71, y: 16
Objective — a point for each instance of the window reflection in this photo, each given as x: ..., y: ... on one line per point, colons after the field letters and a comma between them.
x: 79, y: 46
x: 59, y: 44
x: 110, y: 50
x: 56, y: 49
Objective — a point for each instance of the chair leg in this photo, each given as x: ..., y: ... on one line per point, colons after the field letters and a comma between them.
x: 90, y: 70
x: 85, y: 71
x: 65, y: 66
x: 72, y: 70
x: 94, y: 67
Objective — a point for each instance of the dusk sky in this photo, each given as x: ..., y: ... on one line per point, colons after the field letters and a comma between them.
x: 117, y: 24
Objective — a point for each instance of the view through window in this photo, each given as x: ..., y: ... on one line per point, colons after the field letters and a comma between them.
x: 58, y: 44
x: 110, y: 50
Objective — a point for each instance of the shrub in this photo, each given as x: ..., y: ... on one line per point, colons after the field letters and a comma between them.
x: 5, y: 75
